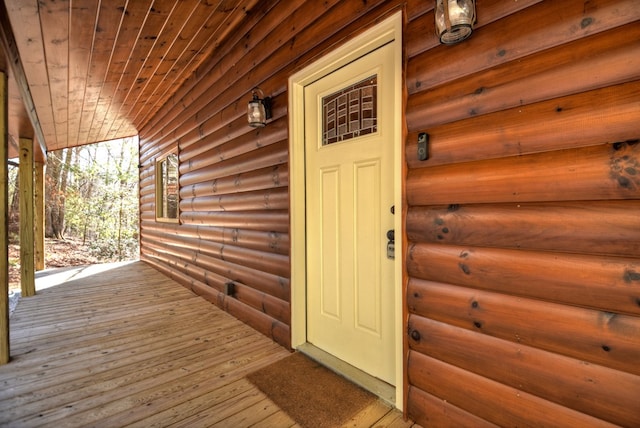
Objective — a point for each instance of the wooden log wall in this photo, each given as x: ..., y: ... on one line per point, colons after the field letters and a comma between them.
x: 523, y: 226
x: 234, y: 195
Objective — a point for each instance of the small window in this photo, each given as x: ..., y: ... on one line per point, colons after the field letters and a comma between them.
x: 167, y: 188
x: 350, y: 112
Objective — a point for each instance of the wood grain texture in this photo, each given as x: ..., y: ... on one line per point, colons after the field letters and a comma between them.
x: 602, y: 172
x: 260, y: 179
x: 566, y: 122
x: 596, y: 227
x: 263, y: 199
x: 516, y: 86
x: 268, y: 262
x: 522, y: 223
x: 433, y: 411
x: 274, y: 154
x: 4, y: 220
x: 533, y: 371
x: 123, y: 344
x: 234, y: 220
x: 256, y: 318
x: 613, y: 282
x: 218, y: 271
x: 252, y: 239
x: 27, y: 246
x: 100, y: 71
x: 525, y: 206
x: 488, y: 399
x: 600, y: 337
x: 22, y: 118
x: 421, y: 32
x: 540, y: 27
x: 39, y: 192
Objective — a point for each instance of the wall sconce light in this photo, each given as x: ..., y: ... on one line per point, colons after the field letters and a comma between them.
x: 454, y: 20
x: 259, y: 109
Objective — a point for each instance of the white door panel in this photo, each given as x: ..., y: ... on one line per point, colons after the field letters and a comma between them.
x: 349, y: 194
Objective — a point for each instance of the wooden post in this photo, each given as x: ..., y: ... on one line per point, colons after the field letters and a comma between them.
x: 27, y: 265
x: 4, y: 221
x: 39, y: 214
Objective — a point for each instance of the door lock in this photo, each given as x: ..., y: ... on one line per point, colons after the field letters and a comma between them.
x: 391, y: 246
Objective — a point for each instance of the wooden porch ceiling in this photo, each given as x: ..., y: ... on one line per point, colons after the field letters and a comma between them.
x: 100, y: 69
x: 19, y: 124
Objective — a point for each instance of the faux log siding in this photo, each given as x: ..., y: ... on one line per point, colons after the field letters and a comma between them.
x: 536, y: 372
x: 486, y: 398
x: 596, y: 337
x: 599, y: 227
x: 523, y: 257
x: 234, y: 209
x: 509, y: 132
x: 259, y: 320
x: 523, y: 138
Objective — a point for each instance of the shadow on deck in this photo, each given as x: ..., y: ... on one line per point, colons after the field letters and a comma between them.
x: 123, y: 345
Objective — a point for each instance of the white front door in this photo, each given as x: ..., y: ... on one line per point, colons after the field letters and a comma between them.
x: 349, y: 152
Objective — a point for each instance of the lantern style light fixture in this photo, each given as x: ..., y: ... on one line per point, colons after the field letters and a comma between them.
x: 454, y: 20
x: 259, y: 109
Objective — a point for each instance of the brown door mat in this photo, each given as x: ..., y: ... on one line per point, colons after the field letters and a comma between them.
x: 309, y: 393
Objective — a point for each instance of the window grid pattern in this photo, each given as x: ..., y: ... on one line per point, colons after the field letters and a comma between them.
x: 350, y: 112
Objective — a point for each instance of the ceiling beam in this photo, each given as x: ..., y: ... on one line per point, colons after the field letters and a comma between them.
x: 11, y: 49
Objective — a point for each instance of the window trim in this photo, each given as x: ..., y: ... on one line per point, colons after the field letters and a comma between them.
x: 159, y: 190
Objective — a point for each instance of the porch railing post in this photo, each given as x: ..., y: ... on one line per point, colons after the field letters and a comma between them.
x: 39, y: 214
x: 27, y: 259
x: 4, y: 221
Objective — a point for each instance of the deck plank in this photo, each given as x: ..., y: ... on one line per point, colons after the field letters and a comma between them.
x: 99, y: 381
x: 40, y: 364
x: 370, y: 415
x: 118, y: 344
x: 194, y: 405
x: 122, y: 345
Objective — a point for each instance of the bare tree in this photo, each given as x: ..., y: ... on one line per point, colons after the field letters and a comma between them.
x: 52, y: 184
x: 91, y: 195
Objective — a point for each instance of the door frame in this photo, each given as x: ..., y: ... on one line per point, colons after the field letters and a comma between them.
x: 388, y: 31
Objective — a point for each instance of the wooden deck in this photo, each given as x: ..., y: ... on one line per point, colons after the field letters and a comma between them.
x: 122, y: 345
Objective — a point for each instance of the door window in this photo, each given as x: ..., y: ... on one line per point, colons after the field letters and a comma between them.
x: 350, y: 112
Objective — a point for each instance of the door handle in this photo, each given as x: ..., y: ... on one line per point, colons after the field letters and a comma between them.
x: 391, y: 235
x: 391, y: 244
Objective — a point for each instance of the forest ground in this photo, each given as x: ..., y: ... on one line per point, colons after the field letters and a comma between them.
x: 58, y: 253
